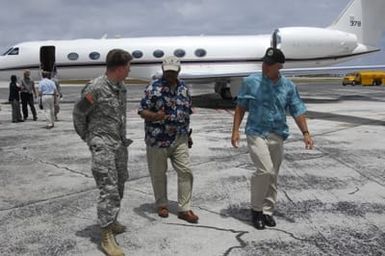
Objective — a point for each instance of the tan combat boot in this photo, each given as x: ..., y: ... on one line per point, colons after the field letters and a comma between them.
x: 118, y: 228
x: 108, y: 243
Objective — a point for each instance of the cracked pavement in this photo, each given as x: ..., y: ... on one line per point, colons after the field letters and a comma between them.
x: 330, y: 200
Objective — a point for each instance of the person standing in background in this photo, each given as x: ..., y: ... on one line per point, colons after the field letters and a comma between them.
x: 47, y: 93
x: 14, y: 99
x: 59, y: 96
x: 27, y: 94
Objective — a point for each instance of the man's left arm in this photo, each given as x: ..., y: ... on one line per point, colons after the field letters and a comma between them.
x: 302, y: 125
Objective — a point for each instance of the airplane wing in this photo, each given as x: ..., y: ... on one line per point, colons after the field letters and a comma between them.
x: 330, y: 70
x: 216, y: 76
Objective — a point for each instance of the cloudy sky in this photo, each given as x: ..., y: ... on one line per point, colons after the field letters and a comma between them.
x: 29, y: 20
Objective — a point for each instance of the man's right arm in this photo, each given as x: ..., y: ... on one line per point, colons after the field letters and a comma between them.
x: 153, y: 116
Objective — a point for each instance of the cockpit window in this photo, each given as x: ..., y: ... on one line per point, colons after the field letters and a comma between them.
x: 14, y: 51
x: 10, y: 49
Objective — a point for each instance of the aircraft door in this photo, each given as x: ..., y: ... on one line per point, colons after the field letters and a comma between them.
x: 47, y: 59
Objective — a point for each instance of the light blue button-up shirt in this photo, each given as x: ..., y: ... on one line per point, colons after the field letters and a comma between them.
x: 47, y: 87
x: 267, y: 103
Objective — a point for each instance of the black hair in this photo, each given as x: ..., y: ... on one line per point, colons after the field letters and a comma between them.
x: 13, y: 78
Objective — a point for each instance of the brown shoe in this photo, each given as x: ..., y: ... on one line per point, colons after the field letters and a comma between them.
x: 188, y: 216
x: 163, y: 212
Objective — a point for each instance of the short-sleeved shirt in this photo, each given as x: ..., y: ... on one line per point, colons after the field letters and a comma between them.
x: 47, y: 87
x: 175, y: 103
x: 267, y: 103
x: 27, y: 86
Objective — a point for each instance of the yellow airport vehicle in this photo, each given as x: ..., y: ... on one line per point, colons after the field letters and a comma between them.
x: 366, y: 78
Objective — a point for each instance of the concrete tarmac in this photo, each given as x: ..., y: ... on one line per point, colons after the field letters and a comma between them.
x: 330, y: 199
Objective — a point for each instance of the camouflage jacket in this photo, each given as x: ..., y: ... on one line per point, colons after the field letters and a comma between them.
x: 101, y: 112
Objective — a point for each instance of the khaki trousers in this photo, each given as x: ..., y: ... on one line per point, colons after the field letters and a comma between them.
x: 180, y: 160
x: 266, y: 154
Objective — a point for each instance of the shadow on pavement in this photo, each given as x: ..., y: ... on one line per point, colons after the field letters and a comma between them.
x: 148, y: 210
x: 92, y: 232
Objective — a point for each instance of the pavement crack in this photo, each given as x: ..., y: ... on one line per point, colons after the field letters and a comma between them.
x: 311, y: 241
x: 288, y: 197
x: 355, y: 191
x: 141, y: 192
x: 46, y: 200
x: 292, y: 235
x: 242, y: 243
x: 239, y: 234
x: 52, y: 164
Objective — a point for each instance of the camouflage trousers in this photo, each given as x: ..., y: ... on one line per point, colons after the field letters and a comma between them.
x: 109, y: 168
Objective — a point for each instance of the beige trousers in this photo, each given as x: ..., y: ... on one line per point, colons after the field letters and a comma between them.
x: 48, y: 102
x: 180, y: 160
x: 266, y: 154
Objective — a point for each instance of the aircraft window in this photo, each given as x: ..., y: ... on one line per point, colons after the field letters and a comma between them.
x: 73, y: 56
x: 200, y: 52
x: 179, y: 53
x: 10, y: 49
x: 158, y: 53
x: 94, y: 55
x: 15, y: 51
x: 137, y: 54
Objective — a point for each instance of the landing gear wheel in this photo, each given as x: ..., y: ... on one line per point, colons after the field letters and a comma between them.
x: 225, y: 93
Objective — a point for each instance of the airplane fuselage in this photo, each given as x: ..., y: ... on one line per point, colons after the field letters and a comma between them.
x: 200, y: 55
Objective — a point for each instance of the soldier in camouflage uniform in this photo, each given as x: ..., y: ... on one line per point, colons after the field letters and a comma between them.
x: 100, y: 120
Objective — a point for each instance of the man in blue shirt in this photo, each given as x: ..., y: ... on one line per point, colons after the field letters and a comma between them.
x: 166, y: 109
x: 267, y: 97
x: 48, y: 93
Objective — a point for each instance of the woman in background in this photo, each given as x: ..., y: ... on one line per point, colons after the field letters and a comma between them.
x: 14, y: 99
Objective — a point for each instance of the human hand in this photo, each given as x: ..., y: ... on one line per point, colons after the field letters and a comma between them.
x: 190, y: 141
x: 235, y: 138
x: 161, y: 115
x: 307, y: 139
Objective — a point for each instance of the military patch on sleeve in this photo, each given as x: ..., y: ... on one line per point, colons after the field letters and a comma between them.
x: 85, y: 103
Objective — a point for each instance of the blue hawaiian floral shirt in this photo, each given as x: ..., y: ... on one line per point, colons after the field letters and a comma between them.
x: 176, y: 104
x: 267, y: 103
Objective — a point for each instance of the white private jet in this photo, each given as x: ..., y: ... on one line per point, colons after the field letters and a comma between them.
x: 220, y: 59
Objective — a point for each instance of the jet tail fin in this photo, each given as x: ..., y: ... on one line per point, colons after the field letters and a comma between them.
x: 364, y: 18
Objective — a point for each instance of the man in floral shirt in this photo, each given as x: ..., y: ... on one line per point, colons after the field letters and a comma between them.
x: 166, y: 109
